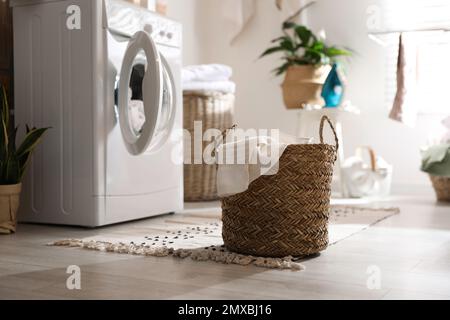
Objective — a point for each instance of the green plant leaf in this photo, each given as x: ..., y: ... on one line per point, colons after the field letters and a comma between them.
x: 301, y: 47
x: 12, y: 140
x: 23, y: 163
x: 4, y: 130
x: 288, y: 45
x: 318, y: 46
x: 304, y: 34
x: 289, y: 25
x: 5, y: 106
x: 30, y: 141
x: 12, y: 174
x: 280, y: 70
x: 14, y: 162
x: 279, y: 39
x: 3, y: 140
x: 334, y: 52
x: 27, y: 147
x: 314, y: 56
x: 288, y: 61
x: 271, y: 50
x: 302, y: 62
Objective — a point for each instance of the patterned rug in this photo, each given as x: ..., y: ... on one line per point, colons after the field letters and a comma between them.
x: 198, y: 236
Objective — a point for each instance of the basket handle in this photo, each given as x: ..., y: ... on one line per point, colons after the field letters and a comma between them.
x: 373, y: 158
x: 322, y: 123
x: 221, y: 138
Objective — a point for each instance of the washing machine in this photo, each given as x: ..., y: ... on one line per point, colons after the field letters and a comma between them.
x: 104, y: 75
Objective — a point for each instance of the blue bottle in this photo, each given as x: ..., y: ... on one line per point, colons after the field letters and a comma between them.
x: 333, y: 88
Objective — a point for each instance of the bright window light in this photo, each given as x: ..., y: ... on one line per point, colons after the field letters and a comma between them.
x: 433, y: 84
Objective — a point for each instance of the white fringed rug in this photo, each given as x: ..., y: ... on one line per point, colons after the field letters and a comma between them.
x: 198, y: 236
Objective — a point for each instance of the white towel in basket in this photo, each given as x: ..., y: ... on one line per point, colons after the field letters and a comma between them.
x: 243, y: 160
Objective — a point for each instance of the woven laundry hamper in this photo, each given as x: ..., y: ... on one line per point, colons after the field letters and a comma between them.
x: 441, y: 186
x: 215, y: 110
x: 285, y: 214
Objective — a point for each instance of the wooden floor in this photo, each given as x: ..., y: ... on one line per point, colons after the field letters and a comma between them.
x: 410, y: 252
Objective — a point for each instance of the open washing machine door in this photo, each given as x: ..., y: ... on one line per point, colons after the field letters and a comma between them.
x: 140, y: 93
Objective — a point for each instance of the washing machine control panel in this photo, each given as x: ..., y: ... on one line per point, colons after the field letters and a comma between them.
x: 165, y: 32
x: 128, y: 19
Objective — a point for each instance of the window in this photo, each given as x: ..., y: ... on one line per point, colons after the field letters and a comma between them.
x: 434, y: 75
x: 433, y: 49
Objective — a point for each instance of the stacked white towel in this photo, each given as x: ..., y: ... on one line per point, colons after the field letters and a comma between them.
x: 207, y: 72
x: 208, y: 77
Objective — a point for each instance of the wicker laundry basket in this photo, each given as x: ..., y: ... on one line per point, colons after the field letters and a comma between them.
x: 285, y: 214
x: 214, y: 110
x: 441, y: 186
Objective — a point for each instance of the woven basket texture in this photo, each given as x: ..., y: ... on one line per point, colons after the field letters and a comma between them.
x: 285, y: 214
x: 215, y: 110
x: 441, y: 186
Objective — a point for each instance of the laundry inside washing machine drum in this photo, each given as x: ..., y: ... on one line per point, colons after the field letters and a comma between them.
x: 136, y: 104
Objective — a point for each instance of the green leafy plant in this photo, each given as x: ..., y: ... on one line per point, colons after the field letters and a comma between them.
x: 301, y: 47
x: 14, y: 161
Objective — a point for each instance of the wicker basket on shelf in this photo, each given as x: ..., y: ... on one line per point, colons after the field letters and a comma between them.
x: 441, y: 186
x: 215, y: 110
x: 285, y: 214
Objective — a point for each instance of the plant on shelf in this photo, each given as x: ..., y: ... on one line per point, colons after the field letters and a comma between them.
x: 306, y: 60
x: 13, y: 164
x: 303, y: 48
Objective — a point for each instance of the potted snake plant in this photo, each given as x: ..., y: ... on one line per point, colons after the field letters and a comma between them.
x: 13, y: 164
x: 306, y: 63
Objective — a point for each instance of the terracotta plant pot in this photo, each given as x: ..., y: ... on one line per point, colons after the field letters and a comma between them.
x: 303, y: 85
x: 9, y: 204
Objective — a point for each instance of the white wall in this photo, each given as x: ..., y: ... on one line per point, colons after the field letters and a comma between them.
x: 259, y: 103
x: 187, y: 12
